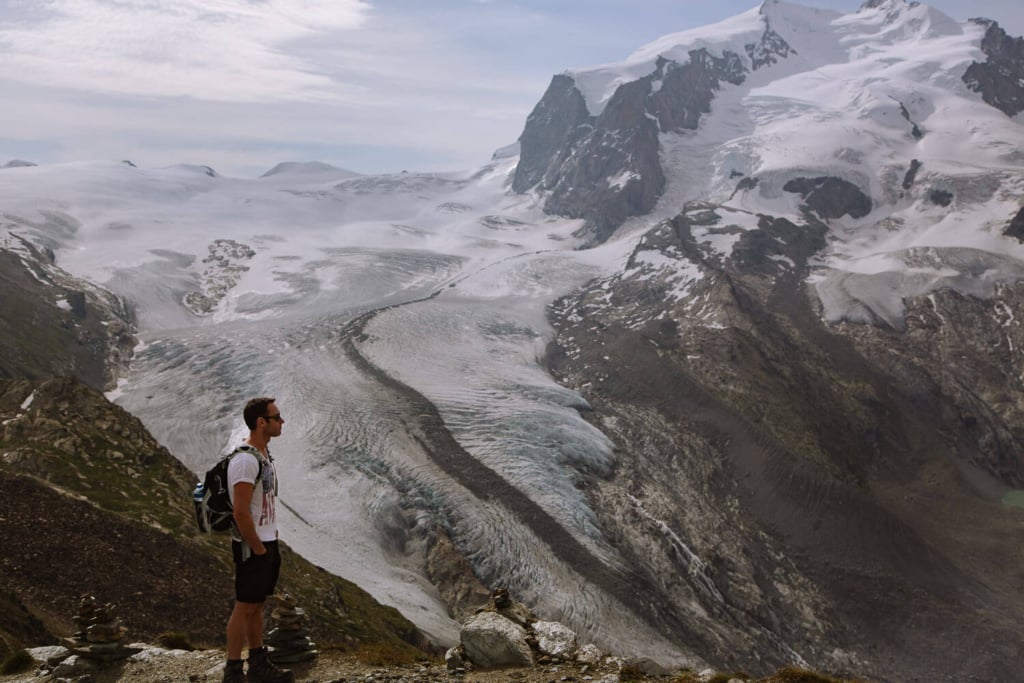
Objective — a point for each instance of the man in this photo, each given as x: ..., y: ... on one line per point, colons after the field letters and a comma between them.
x: 252, y: 486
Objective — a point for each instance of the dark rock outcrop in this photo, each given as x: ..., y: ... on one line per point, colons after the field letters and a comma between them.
x: 52, y: 324
x: 915, y: 130
x: 940, y: 197
x: 548, y: 127
x: 1016, y: 226
x: 769, y: 50
x: 831, y: 197
x: 845, y: 451
x: 1000, y: 79
x: 606, y: 168
x: 777, y: 245
x: 911, y: 174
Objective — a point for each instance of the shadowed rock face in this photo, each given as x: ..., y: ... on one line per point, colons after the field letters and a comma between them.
x: 911, y: 174
x: 1016, y: 227
x: 769, y: 51
x: 1000, y: 79
x: 838, y: 486
x: 606, y: 168
x: 831, y: 197
x: 549, y: 125
x: 776, y: 242
x: 53, y: 324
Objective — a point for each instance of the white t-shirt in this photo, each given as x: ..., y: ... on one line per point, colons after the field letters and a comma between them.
x: 244, y: 467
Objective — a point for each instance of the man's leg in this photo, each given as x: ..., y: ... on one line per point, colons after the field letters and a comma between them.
x: 254, y: 627
x: 244, y: 626
x: 256, y: 579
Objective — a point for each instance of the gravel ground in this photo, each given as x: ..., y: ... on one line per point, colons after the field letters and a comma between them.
x: 206, y: 666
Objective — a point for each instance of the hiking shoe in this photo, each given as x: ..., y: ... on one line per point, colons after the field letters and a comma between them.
x: 262, y: 670
x: 234, y: 674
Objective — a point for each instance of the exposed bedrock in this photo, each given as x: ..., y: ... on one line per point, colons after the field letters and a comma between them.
x: 999, y: 79
x: 52, y: 324
x: 831, y: 197
x: 911, y: 174
x: 606, y: 168
x: 839, y: 485
x: 1016, y: 226
x: 548, y: 126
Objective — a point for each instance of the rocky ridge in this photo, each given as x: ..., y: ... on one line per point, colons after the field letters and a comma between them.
x: 606, y: 168
x: 1000, y: 78
x: 93, y: 504
x: 849, y: 463
x: 57, y: 324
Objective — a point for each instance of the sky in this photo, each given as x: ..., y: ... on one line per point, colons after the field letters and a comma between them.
x: 374, y: 86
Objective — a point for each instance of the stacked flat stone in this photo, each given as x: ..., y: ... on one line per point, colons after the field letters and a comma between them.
x: 100, y: 634
x: 288, y: 642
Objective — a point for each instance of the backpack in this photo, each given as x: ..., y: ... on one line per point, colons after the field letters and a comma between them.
x: 213, y: 504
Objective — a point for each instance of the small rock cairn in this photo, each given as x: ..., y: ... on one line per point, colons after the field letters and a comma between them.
x: 100, y: 635
x: 288, y: 642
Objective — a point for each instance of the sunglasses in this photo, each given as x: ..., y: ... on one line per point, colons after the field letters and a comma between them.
x: 274, y: 417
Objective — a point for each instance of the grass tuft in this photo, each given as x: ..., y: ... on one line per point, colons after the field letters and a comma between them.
x: 386, y: 654
x: 792, y: 674
x: 17, y: 662
x: 175, y: 640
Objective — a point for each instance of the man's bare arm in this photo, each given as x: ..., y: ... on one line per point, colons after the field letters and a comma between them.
x: 243, y: 517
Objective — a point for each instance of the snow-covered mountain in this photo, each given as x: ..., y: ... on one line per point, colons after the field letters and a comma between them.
x: 723, y: 366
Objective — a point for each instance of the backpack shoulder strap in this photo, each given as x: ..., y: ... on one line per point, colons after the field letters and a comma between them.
x: 246, y: 448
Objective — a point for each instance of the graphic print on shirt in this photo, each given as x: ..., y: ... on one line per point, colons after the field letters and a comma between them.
x: 269, y: 479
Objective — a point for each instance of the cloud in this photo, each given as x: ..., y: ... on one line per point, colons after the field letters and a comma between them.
x: 223, y: 50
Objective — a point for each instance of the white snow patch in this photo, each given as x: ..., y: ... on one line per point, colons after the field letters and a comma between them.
x: 28, y: 401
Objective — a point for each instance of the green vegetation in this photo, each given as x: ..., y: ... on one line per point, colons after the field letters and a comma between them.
x: 16, y: 662
x: 789, y: 674
x: 18, y: 627
x: 175, y: 640
x: 630, y: 673
x: 792, y: 674
x: 386, y: 654
x: 1014, y: 498
x: 81, y: 445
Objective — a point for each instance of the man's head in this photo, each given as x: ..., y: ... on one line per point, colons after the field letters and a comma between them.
x: 262, y: 414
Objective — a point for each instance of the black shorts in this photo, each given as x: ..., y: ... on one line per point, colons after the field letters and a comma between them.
x: 256, y: 578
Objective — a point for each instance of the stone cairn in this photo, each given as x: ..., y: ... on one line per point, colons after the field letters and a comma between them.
x: 100, y: 635
x: 288, y: 642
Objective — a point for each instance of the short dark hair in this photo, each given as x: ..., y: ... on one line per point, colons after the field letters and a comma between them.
x: 256, y: 408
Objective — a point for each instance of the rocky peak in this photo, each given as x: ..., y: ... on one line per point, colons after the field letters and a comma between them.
x: 560, y: 111
x: 1000, y: 79
x: 879, y: 4
x: 606, y: 168
x: 771, y: 48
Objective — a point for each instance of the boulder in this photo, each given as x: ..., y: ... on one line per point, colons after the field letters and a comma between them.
x: 491, y: 640
x: 589, y: 654
x: 501, y: 601
x: 555, y: 639
x: 453, y: 658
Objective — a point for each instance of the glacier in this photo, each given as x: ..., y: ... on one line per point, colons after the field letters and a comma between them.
x: 401, y: 320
